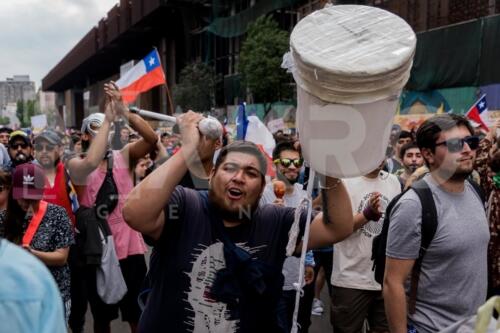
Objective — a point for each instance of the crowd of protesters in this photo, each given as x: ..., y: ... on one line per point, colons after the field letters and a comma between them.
x: 226, y: 244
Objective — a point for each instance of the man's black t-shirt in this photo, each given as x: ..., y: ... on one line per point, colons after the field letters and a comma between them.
x: 188, y: 256
x: 191, y: 181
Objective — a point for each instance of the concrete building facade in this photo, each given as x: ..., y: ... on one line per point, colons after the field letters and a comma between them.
x: 17, y: 88
x: 211, y: 31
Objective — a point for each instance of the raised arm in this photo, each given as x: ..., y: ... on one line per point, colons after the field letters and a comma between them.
x: 143, y: 209
x: 148, y: 140
x: 80, y: 168
x: 336, y: 221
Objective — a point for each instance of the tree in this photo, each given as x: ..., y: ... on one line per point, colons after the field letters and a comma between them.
x: 20, y: 112
x: 260, y: 61
x: 4, y: 120
x: 26, y: 110
x: 196, y: 87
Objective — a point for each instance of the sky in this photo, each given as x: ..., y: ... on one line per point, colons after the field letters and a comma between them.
x: 36, y: 34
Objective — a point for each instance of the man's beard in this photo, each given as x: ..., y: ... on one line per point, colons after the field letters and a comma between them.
x: 244, y: 214
x: 49, y: 165
x: 461, y: 175
x: 282, y: 177
x: 411, y: 168
x: 458, y: 175
x: 21, y: 158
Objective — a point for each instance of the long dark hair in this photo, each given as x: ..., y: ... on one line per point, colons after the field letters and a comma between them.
x: 14, y: 221
x: 5, y: 179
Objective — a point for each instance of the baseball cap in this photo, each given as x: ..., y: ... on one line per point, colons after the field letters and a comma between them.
x: 19, y: 134
x: 28, y: 182
x: 50, y: 136
x: 92, y: 122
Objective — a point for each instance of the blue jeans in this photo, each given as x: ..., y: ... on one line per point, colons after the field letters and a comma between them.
x: 412, y: 329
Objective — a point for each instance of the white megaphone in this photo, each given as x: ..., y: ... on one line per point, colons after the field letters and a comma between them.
x: 350, y: 64
x: 209, y: 126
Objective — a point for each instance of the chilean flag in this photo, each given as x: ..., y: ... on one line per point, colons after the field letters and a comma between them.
x: 250, y: 128
x: 145, y: 75
x: 479, y: 113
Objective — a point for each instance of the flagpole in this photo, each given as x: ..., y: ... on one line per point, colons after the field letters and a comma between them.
x: 169, y: 96
x: 171, y: 105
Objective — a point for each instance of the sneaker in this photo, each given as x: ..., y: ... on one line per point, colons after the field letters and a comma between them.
x: 317, y: 307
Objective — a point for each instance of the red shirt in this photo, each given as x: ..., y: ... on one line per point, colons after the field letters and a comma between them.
x: 58, y: 194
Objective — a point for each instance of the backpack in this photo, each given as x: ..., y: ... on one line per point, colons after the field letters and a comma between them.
x: 429, y: 227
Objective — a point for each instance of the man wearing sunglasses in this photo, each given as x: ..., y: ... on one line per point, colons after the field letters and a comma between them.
x: 48, y: 151
x: 20, y: 149
x: 453, y: 276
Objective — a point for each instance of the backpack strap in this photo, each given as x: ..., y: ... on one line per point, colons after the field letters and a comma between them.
x: 428, y: 230
x: 109, y: 158
x: 478, y: 190
x: 34, y: 223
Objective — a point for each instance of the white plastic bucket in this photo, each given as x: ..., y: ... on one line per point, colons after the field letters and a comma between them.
x: 341, y: 140
x: 350, y: 64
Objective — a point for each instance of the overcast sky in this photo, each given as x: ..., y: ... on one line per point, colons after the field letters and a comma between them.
x: 36, y: 34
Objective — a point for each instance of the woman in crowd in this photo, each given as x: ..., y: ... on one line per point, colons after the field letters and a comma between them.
x: 5, y: 185
x: 42, y: 229
x: 140, y: 169
x: 76, y: 144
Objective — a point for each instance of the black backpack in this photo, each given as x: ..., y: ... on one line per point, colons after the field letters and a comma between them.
x: 89, y: 220
x: 429, y: 227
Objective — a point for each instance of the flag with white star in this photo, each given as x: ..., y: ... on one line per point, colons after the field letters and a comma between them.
x: 146, y: 74
x: 479, y: 113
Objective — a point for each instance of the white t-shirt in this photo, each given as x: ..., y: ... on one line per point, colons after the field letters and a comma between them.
x: 290, y: 199
x: 352, y: 264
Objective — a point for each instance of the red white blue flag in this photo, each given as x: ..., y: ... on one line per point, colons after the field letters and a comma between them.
x: 146, y: 74
x: 479, y: 113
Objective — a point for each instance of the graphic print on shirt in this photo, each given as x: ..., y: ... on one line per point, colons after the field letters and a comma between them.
x: 208, y: 315
x: 373, y: 228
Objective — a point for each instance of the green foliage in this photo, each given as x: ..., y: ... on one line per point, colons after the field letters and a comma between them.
x: 196, y: 88
x: 26, y: 110
x: 20, y: 111
x: 4, y: 121
x: 260, y: 61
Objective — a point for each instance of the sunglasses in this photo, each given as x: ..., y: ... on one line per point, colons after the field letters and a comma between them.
x: 286, y: 162
x: 17, y: 145
x: 48, y: 147
x: 456, y: 145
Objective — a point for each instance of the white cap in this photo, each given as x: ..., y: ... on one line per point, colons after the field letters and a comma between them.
x: 93, y: 120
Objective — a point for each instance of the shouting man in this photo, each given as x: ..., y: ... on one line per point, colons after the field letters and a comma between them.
x: 220, y: 255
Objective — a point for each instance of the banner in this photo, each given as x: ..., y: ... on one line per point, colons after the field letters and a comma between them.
x: 38, y: 123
